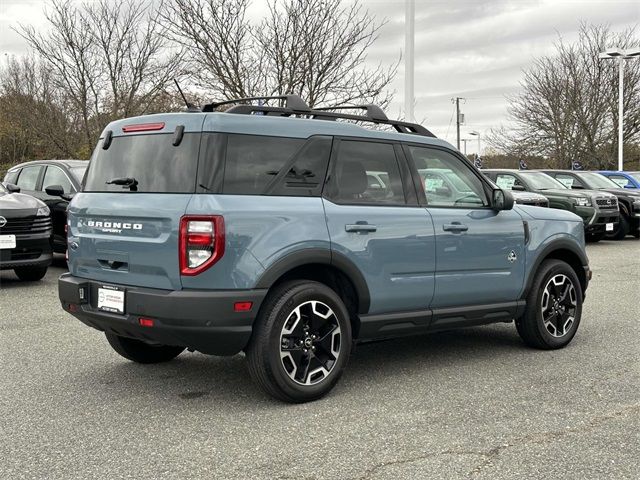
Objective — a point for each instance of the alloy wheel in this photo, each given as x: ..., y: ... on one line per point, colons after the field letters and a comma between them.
x: 310, y: 343
x: 558, y: 305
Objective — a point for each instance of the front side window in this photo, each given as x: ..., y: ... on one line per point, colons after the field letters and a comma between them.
x: 446, y: 179
x: 28, y: 178
x: 55, y: 176
x: 366, y: 173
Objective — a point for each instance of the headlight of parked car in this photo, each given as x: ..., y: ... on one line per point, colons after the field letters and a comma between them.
x: 582, y: 201
x: 43, y: 211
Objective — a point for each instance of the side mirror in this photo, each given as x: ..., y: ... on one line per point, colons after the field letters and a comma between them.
x: 577, y: 187
x: 443, y: 191
x: 12, y: 188
x: 519, y: 188
x: 502, y: 200
x: 628, y: 185
x: 54, y: 190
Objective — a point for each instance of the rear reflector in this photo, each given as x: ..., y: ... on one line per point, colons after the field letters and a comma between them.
x: 146, y: 322
x: 143, y: 127
x: 242, y: 306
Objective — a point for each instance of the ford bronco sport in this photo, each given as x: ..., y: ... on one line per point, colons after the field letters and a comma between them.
x: 291, y: 233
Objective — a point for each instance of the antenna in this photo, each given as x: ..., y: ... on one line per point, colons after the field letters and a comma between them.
x: 190, y: 106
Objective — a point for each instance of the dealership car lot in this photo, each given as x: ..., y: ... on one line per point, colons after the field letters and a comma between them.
x: 471, y: 403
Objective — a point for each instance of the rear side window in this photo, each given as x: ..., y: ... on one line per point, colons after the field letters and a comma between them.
x: 366, y: 173
x: 263, y: 165
x: 253, y: 161
x: 28, y: 178
x: 151, y: 160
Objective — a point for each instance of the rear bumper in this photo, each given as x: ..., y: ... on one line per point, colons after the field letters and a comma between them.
x: 197, y: 319
x: 31, y: 251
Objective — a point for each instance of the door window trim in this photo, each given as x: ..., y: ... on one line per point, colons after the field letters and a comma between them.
x: 403, y: 170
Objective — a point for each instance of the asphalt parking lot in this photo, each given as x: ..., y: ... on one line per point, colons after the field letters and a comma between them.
x: 464, y: 404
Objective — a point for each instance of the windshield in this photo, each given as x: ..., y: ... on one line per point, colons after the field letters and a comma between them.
x: 595, y: 180
x: 145, y: 164
x: 78, y: 172
x: 3, y: 189
x: 542, y: 181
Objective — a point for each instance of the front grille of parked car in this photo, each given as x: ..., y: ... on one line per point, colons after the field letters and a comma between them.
x: 607, y: 202
x: 26, y: 225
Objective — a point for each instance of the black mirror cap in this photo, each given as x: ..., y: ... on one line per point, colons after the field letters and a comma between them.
x: 502, y: 200
x: 519, y: 188
x: 55, y: 190
x: 12, y: 188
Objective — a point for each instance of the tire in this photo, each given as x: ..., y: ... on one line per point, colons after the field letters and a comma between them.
x: 594, y: 237
x: 538, y: 327
x: 286, y: 359
x: 30, y: 274
x: 141, y: 352
x: 622, y: 230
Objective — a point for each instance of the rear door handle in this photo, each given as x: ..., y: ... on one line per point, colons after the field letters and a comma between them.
x: 455, y: 227
x: 360, y: 227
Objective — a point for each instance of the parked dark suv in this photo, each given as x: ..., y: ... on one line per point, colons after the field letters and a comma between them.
x: 628, y: 199
x: 598, y: 210
x: 25, y: 234
x: 36, y: 179
x: 284, y: 233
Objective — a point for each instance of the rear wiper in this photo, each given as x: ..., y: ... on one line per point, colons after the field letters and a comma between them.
x: 130, y: 182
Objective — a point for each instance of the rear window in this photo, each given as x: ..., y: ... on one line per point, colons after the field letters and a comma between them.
x: 151, y: 160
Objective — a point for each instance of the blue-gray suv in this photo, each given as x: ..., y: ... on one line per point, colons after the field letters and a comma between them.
x: 290, y: 233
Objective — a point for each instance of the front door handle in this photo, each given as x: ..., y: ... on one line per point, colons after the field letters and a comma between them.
x: 360, y: 228
x: 455, y: 227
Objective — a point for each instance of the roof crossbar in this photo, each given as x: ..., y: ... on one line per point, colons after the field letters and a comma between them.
x: 293, y: 102
x: 373, y: 111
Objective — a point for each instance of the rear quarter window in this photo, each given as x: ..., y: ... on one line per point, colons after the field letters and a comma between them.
x: 152, y: 160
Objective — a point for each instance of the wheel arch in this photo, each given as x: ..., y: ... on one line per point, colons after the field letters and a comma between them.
x: 330, y: 268
x: 566, y: 251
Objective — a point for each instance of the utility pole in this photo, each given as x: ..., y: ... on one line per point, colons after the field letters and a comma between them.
x: 409, y: 28
x: 459, y: 120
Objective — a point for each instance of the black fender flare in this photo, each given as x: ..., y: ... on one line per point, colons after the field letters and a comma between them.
x: 310, y: 256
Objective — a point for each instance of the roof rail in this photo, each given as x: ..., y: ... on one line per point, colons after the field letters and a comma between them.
x: 293, y: 102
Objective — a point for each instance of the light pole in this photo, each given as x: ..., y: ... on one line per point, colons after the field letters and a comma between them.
x: 621, y: 55
x: 409, y: 19
x: 476, y: 133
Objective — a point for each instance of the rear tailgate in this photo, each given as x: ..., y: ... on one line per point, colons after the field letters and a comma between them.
x: 126, y: 239
x: 124, y: 225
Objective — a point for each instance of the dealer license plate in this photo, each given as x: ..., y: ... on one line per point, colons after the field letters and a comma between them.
x: 111, y: 299
x: 609, y: 227
x: 7, y: 241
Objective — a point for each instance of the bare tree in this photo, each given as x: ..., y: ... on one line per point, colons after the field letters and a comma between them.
x: 110, y: 60
x: 314, y: 48
x: 567, y: 110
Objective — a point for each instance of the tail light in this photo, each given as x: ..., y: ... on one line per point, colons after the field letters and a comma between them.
x: 201, y: 242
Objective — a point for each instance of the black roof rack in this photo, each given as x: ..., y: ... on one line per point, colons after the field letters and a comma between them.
x: 293, y: 102
x: 296, y: 106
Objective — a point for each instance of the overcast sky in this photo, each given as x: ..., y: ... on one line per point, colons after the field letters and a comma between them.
x: 468, y: 48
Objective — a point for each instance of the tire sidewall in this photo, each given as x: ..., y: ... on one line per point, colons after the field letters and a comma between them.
x: 549, y: 272
x: 276, y: 319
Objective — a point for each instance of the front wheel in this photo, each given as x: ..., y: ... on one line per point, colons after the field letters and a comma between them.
x: 142, y: 352
x: 30, y: 274
x: 301, y: 342
x: 554, y: 307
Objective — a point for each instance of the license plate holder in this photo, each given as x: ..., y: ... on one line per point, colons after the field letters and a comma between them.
x: 7, y: 241
x: 111, y: 299
x: 609, y: 227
